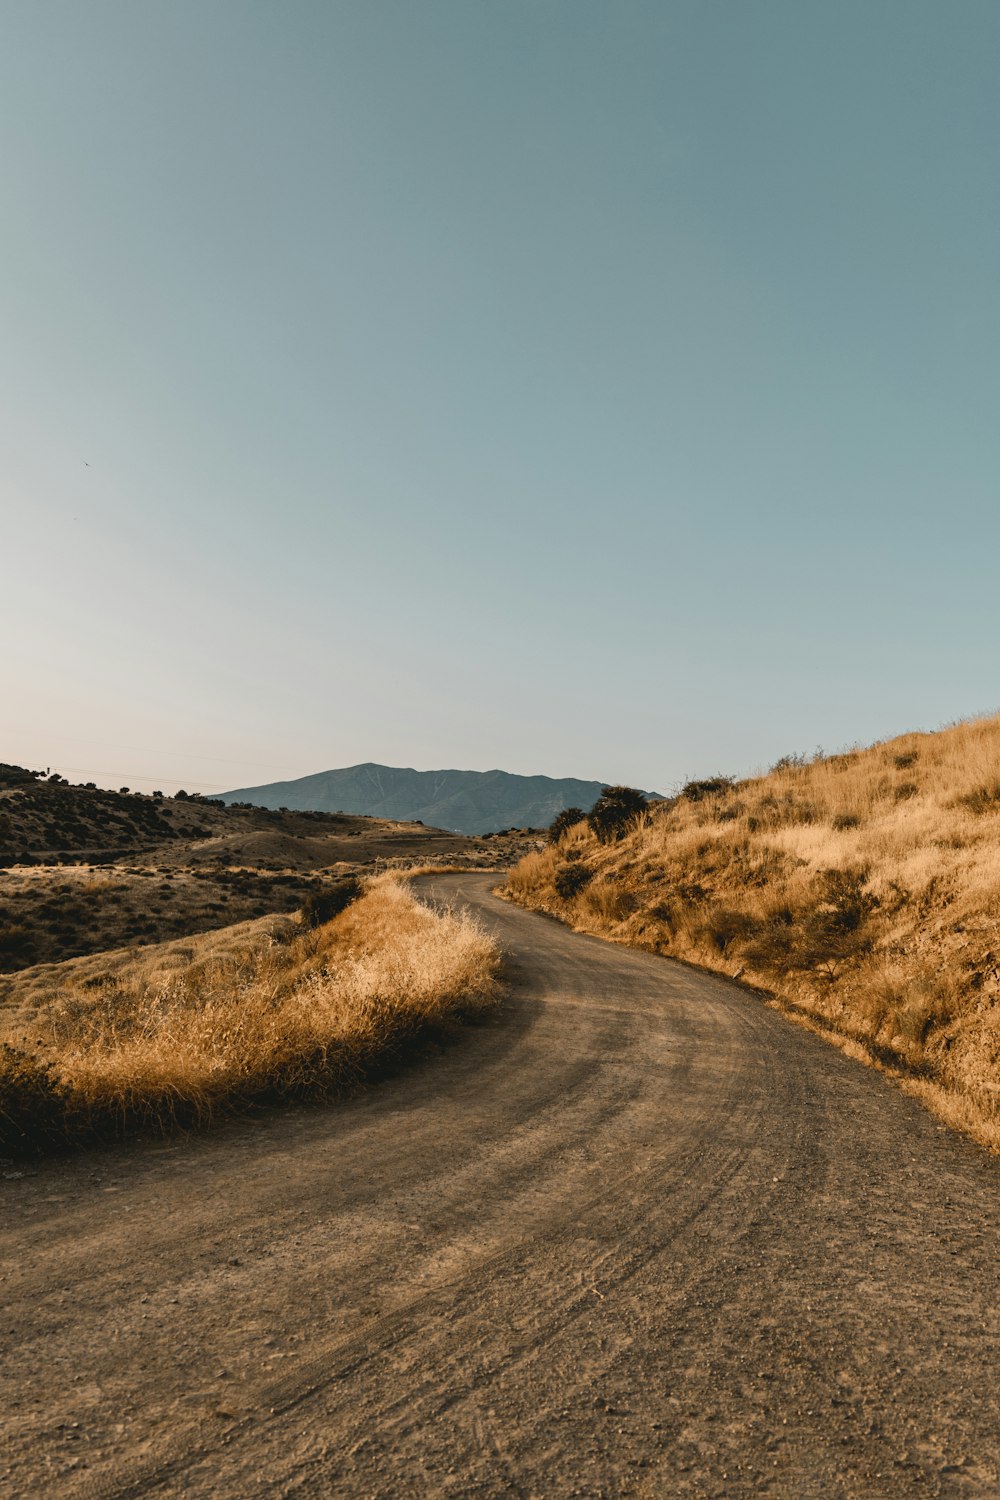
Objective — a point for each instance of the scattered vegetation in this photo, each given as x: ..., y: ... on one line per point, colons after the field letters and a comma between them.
x: 861, y: 889
x: 296, y: 1012
x: 48, y: 914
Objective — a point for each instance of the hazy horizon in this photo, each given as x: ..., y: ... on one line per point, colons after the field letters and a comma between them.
x: 578, y: 390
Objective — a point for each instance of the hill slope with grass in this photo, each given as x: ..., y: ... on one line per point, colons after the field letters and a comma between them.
x: 83, y: 869
x: 861, y: 890
x: 462, y: 801
x: 279, y: 1009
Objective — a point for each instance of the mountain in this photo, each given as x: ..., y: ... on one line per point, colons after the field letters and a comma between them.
x: 461, y: 801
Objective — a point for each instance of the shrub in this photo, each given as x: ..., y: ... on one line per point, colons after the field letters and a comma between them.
x: 724, y: 925
x: 711, y: 786
x: 322, y: 906
x: 615, y: 809
x: 563, y: 821
x: 793, y: 762
x: 843, y: 821
x: 15, y: 941
x: 569, y: 879
x: 984, y: 799
x: 33, y: 1102
x: 844, y: 900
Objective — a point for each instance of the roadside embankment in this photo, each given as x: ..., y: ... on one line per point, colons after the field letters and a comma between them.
x: 861, y: 891
x: 286, y: 1012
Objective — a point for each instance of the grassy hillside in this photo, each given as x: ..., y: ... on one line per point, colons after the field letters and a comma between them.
x: 862, y: 890
x: 49, y: 820
x: 82, y: 870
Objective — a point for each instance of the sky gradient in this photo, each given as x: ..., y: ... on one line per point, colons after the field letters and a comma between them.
x: 597, y: 390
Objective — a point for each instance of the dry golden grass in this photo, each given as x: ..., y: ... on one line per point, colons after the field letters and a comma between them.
x: 863, y: 890
x: 290, y: 1014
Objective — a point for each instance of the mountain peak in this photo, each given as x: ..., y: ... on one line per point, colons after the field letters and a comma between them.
x: 461, y: 801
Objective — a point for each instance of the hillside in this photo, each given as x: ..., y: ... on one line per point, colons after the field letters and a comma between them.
x: 463, y: 801
x: 48, y: 820
x: 85, y: 869
x: 862, y: 890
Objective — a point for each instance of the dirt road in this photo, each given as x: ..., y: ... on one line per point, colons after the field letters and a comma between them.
x: 641, y: 1236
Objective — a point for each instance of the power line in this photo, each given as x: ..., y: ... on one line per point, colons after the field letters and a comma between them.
x: 128, y: 776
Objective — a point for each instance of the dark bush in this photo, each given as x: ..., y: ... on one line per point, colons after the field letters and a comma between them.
x: 906, y: 790
x: 845, y: 903
x: 793, y: 762
x: 571, y: 878
x: 323, y: 905
x: 985, y: 799
x: 615, y: 809
x: 833, y: 928
x: 843, y: 821
x: 724, y: 925
x: 563, y: 821
x: 712, y: 786
x: 15, y: 942
x: 33, y: 1102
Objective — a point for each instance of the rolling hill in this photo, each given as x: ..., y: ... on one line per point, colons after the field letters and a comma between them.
x: 460, y: 801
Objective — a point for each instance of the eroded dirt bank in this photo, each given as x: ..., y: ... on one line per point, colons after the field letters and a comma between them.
x: 640, y: 1236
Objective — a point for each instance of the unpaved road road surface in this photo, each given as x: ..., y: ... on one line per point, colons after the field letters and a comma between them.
x: 639, y: 1236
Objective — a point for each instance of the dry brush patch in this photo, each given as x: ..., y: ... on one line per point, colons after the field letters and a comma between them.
x: 292, y: 1013
x: 862, y: 890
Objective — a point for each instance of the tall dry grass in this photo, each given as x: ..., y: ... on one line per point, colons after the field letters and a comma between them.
x: 863, y: 890
x: 291, y: 1015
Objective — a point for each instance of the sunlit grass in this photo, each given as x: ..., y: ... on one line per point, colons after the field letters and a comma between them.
x: 864, y: 889
x: 294, y: 1015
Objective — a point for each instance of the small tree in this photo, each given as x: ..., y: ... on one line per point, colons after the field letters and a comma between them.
x: 614, y: 810
x: 563, y: 821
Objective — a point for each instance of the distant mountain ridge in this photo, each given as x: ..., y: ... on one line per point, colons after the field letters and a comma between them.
x: 461, y: 801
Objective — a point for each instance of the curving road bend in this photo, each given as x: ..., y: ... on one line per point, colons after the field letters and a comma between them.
x: 639, y: 1236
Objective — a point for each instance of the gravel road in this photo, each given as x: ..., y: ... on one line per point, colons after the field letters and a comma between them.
x: 639, y: 1236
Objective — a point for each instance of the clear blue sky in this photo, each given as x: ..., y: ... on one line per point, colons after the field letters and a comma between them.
x: 598, y: 389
